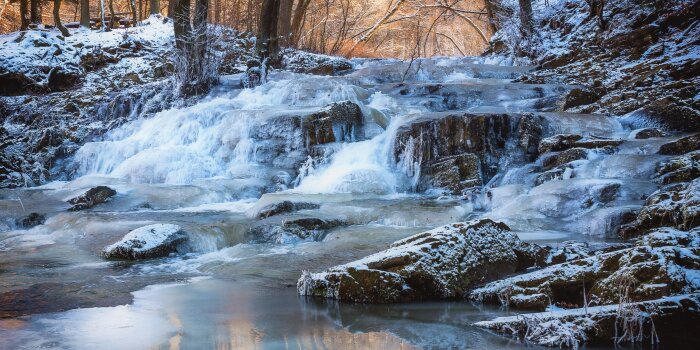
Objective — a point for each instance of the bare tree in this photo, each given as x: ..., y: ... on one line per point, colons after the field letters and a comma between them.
x: 112, y: 17
x: 182, y: 25
x: 103, y: 24
x: 155, y: 7
x: 196, y: 65
x: 35, y: 16
x: 526, y: 20
x: 134, y: 14
x: 171, y: 8
x: 57, y: 18
x: 24, y: 14
x: 85, y: 13
x: 285, y: 21
x: 267, y: 41
x: 298, y: 18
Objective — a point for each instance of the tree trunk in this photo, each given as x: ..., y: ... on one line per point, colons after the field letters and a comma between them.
x: 267, y: 29
x: 298, y: 18
x: 171, y: 8
x: 35, y: 16
x: 103, y: 25
x: 217, y: 11
x: 285, y: 21
x: 57, y: 18
x: 134, y: 15
x: 85, y: 13
x: 526, y: 21
x: 155, y: 7
x: 111, y: 14
x: 24, y: 14
x: 182, y: 23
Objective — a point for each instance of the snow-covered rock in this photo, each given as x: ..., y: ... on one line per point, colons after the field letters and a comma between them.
x: 281, y: 208
x: 643, y: 60
x: 305, y: 62
x: 442, y: 263
x: 681, y: 146
x: 680, y: 169
x: 564, y: 142
x: 146, y: 242
x: 662, y: 263
x: 676, y: 205
x: 648, y: 321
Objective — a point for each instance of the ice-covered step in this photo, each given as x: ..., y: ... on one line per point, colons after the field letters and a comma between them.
x: 479, y: 92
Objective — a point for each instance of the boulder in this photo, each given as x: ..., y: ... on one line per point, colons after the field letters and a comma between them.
x: 664, y: 318
x: 284, y: 207
x: 579, y: 97
x: 31, y: 220
x: 62, y: 80
x: 443, y: 263
x: 676, y: 205
x: 91, y: 198
x: 558, y: 143
x: 292, y: 230
x: 146, y: 242
x: 564, y: 157
x: 647, y: 133
x: 454, y: 173
x: 662, y: 263
x: 333, y: 67
x: 15, y: 83
x: 681, y: 146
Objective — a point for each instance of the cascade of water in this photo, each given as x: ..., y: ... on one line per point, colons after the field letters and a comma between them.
x: 211, y: 138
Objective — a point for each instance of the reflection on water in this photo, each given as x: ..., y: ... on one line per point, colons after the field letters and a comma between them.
x: 210, y: 313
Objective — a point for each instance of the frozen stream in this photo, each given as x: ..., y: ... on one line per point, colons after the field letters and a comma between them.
x: 208, y: 168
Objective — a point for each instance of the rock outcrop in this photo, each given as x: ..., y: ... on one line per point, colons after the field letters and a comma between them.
x: 94, y: 196
x: 459, y: 151
x: 681, y: 146
x: 146, y: 242
x: 676, y: 205
x: 680, y: 169
x: 662, y: 263
x: 337, y: 122
x: 443, y: 263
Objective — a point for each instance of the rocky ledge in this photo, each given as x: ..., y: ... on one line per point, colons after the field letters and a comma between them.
x: 630, y: 322
x: 443, y: 263
x: 662, y: 263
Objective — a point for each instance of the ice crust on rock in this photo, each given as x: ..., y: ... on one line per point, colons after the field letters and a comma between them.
x: 146, y: 242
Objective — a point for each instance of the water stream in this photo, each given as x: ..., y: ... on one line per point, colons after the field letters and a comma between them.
x: 211, y: 166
